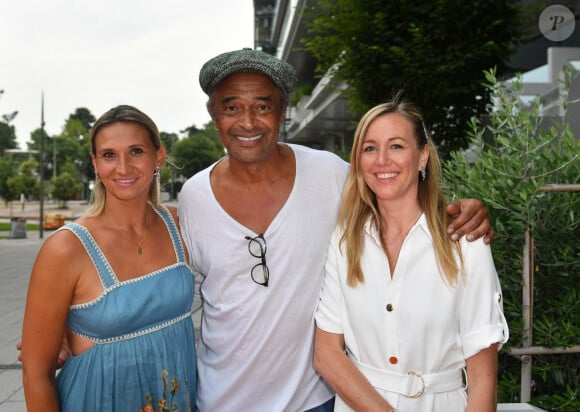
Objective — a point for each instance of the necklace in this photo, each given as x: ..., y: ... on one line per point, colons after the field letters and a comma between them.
x: 140, y: 244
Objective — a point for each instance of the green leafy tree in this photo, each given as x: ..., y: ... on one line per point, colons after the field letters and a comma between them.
x: 7, y: 131
x: 85, y: 116
x: 65, y: 187
x: 515, y: 155
x: 69, y: 166
x: 7, y: 137
x: 26, y: 181
x: 72, y: 145
x: 7, y: 118
x: 34, y: 144
x: 193, y: 129
x: 168, y: 139
x: 7, y: 170
x: 71, y: 148
x: 197, y: 151
x: 432, y: 50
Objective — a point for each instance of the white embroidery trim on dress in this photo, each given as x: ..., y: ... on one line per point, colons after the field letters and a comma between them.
x: 143, y: 332
x: 114, y: 286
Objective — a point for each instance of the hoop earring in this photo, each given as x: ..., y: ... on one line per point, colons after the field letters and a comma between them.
x: 156, y: 171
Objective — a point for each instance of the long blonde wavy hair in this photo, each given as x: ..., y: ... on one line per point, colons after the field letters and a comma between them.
x: 122, y: 113
x: 359, y: 203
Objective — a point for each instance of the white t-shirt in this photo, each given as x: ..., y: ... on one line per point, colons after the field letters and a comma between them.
x: 256, y: 346
x: 431, y: 327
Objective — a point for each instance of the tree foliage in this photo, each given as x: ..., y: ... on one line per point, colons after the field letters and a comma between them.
x: 433, y: 50
x: 168, y: 139
x: 7, y: 169
x: 197, y: 151
x: 34, y: 144
x: 85, y: 116
x: 7, y: 131
x: 65, y: 187
x: 7, y: 137
x: 515, y: 155
x: 26, y: 181
x: 68, y: 151
x: 73, y: 145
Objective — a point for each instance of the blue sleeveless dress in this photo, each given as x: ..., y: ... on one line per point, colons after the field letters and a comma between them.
x: 143, y: 330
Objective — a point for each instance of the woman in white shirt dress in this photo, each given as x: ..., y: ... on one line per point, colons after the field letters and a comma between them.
x: 408, y: 320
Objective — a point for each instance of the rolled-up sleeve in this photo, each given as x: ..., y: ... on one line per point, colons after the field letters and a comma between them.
x: 482, y: 322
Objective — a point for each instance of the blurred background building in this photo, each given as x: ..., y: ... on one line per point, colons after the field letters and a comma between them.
x: 319, y: 115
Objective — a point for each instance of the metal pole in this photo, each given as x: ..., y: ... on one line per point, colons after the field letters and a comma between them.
x: 54, y: 157
x: 41, y: 196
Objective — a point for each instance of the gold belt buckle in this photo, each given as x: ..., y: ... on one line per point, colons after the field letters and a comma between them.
x: 421, y: 389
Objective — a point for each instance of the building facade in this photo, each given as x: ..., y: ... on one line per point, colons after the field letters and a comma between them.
x: 319, y: 115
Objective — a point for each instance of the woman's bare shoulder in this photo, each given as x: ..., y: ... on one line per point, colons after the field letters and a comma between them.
x: 62, y: 243
x: 61, y: 256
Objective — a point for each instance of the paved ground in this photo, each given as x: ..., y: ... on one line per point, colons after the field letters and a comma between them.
x: 16, y: 259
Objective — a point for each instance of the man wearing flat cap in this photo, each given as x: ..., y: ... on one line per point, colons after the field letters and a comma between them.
x: 257, y: 224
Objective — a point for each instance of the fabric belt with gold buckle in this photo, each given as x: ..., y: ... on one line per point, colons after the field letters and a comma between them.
x: 412, y: 384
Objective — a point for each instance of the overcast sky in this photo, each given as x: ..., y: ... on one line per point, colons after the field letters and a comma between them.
x: 97, y: 54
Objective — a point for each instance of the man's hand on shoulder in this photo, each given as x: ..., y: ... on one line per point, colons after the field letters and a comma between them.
x: 469, y: 217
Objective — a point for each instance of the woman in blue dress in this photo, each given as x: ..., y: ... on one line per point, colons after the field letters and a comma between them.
x: 116, y: 284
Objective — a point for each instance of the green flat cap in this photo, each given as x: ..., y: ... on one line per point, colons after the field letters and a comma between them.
x: 247, y: 61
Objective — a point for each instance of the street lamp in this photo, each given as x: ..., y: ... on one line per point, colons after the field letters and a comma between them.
x: 41, y: 190
x: 53, y: 157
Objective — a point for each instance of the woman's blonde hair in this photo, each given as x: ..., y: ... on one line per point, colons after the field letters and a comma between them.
x: 359, y: 203
x: 122, y: 113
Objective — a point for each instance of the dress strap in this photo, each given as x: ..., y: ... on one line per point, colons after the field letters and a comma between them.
x: 104, y: 270
x: 167, y: 217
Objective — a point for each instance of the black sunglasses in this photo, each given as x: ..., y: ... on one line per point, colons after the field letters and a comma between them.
x: 257, y: 248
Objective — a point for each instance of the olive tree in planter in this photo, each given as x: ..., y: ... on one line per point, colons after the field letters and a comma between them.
x: 513, y: 154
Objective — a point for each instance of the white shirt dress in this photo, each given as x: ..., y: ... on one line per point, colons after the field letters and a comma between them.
x: 413, y: 321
